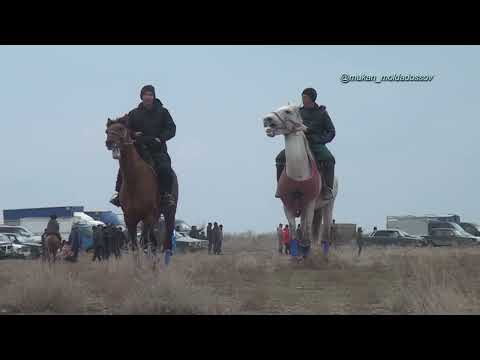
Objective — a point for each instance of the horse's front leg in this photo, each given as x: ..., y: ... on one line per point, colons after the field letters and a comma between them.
x: 307, y: 227
x: 327, y: 215
x: 132, y: 234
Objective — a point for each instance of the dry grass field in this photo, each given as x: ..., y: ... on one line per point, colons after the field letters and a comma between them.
x: 250, y: 278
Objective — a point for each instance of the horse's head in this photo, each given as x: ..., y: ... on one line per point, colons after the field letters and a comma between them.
x: 284, y: 121
x: 118, y: 136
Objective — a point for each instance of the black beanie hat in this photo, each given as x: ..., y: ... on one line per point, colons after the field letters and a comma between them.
x: 147, y: 88
x: 311, y: 93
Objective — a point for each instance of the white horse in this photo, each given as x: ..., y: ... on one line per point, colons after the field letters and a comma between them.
x: 299, y: 174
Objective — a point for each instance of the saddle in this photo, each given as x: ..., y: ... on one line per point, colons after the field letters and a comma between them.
x: 296, y: 194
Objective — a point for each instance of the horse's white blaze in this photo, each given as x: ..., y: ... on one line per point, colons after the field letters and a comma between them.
x: 116, y: 152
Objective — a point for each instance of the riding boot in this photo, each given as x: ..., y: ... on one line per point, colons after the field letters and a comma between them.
x: 329, y: 176
x: 165, y: 187
x: 115, y: 200
x: 280, y: 162
x: 162, y: 166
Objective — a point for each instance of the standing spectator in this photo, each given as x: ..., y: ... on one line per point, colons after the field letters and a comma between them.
x: 74, y: 240
x: 107, y: 239
x: 359, y: 240
x: 98, y: 243
x: 220, y: 239
x: 296, y: 236
x: 333, y: 233
x: 286, y: 239
x: 299, y: 234
x: 280, y: 238
x: 216, y: 237
x: 210, y: 237
x: 117, y: 233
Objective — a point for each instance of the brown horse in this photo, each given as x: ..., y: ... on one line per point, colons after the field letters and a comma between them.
x: 139, y: 194
x: 52, y: 244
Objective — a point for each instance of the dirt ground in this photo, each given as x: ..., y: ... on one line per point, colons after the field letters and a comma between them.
x: 250, y: 278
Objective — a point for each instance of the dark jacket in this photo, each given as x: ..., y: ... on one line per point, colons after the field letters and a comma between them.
x: 74, y: 239
x: 216, y: 234
x: 53, y: 227
x: 154, y: 123
x: 98, y: 237
x: 209, y: 233
x: 320, y: 130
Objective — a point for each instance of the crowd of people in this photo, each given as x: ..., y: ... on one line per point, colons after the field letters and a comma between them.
x: 108, y: 239
x: 215, y: 238
x: 69, y: 249
x: 288, y: 242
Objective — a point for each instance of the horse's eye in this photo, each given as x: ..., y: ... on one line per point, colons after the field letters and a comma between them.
x: 288, y: 112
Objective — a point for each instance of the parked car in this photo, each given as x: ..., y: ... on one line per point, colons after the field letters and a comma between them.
x: 22, y: 247
x: 21, y: 231
x: 186, y: 243
x: 6, y: 250
x: 393, y: 237
x: 450, y: 237
x: 6, y: 247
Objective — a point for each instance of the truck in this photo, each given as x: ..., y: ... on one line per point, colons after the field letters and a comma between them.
x: 36, y: 219
x: 423, y: 225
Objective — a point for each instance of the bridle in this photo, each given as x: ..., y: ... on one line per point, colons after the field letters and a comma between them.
x: 122, y: 136
x: 284, y: 122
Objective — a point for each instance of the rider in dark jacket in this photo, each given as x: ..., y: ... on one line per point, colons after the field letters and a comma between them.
x: 153, y: 126
x: 53, y: 227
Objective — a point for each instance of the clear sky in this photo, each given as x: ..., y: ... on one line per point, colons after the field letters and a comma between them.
x: 401, y: 148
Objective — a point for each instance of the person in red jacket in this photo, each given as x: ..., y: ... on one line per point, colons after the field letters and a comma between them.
x: 286, y: 239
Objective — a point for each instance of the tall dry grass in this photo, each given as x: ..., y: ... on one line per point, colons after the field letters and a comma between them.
x: 251, y: 277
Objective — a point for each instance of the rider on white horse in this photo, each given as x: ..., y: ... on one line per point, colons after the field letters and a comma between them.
x: 320, y: 132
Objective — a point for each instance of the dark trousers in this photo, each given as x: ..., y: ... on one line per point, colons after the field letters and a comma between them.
x: 287, y: 249
x: 217, y: 248
x: 210, y: 245
x: 161, y: 164
x: 98, y: 253
x: 326, y: 168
